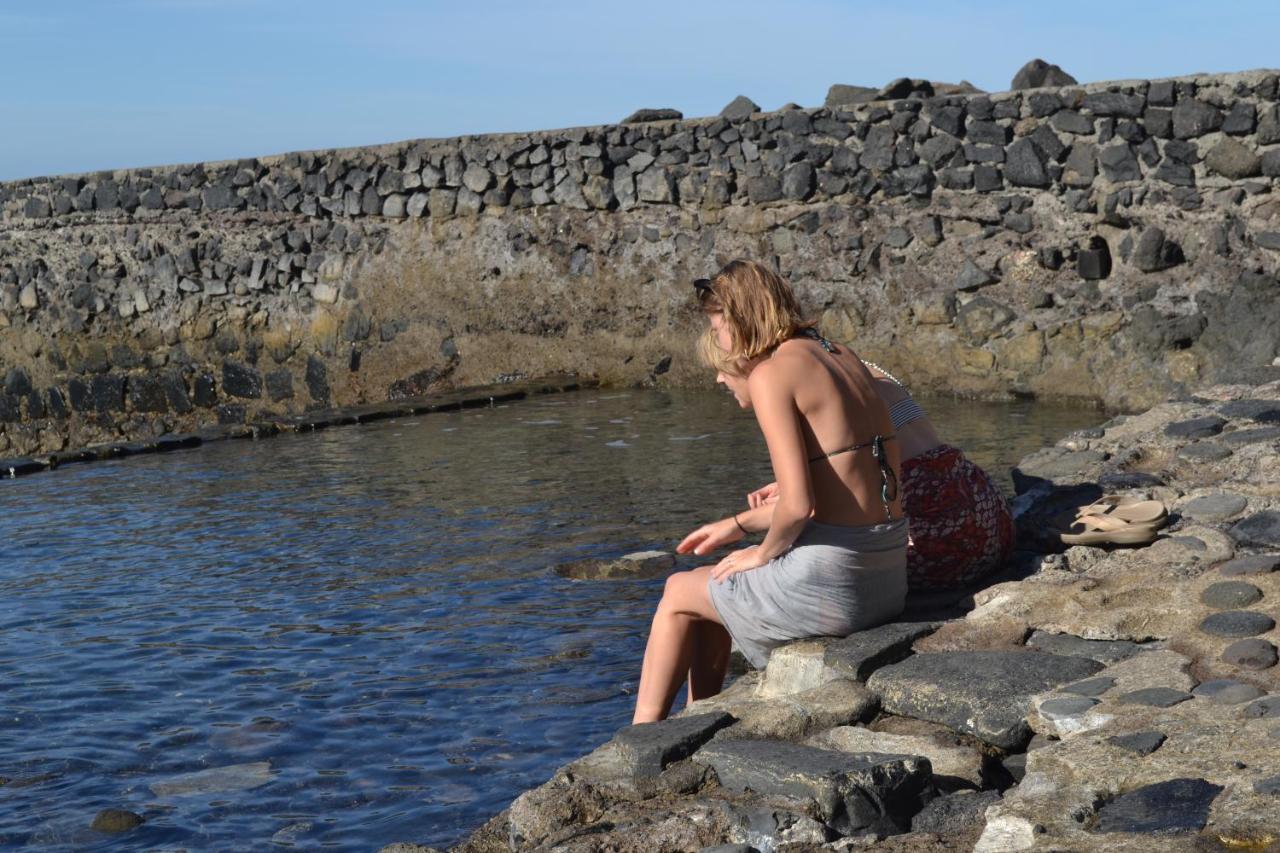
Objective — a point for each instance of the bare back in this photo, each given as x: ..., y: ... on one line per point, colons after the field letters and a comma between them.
x: 839, y: 407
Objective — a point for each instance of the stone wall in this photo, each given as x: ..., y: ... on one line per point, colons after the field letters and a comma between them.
x: 1114, y: 242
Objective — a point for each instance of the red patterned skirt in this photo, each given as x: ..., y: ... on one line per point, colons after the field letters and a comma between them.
x: 961, y: 529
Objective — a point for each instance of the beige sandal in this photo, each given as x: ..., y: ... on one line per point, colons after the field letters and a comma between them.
x: 1131, y: 509
x: 1108, y: 530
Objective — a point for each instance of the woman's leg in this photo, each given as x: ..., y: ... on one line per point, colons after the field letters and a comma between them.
x: 711, y: 646
x: 669, y: 654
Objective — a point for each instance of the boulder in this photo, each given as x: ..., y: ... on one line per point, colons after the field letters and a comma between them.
x: 1038, y: 74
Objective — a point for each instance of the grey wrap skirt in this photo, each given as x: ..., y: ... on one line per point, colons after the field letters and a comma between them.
x: 835, y: 580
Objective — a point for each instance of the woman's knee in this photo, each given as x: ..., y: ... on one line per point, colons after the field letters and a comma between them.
x: 685, y: 591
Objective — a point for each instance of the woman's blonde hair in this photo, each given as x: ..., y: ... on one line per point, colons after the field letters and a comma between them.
x: 759, y: 308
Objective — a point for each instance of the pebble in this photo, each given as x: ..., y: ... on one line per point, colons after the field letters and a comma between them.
x: 1254, y: 564
x: 1237, y: 623
x: 1090, y: 686
x: 1224, y: 691
x: 1261, y: 529
x: 1228, y: 595
x: 1254, y: 653
x: 1065, y: 708
x: 1215, y: 507
x: 1268, y: 707
x: 1157, y: 697
x: 1143, y: 743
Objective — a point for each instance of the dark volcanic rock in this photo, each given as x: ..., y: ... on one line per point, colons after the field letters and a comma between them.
x: 1252, y: 436
x: 1237, y: 623
x: 1192, y: 118
x: 1025, y: 165
x: 1204, y: 451
x: 647, y: 748
x: 1105, y: 651
x: 1254, y: 653
x: 1094, y: 263
x: 1204, y: 427
x: 840, y: 94
x: 1215, y: 507
x: 863, y: 652
x: 646, y: 115
x: 239, y: 380
x: 1264, y: 411
x: 1261, y: 529
x: 1228, y: 595
x: 739, y: 108
x: 1156, y: 697
x: 1268, y: 707
x: 971, y: 277
x: 983, y: 693
x: 1254, y: 564
x: 954, y: 813
x: 1155, y: 251
x: 1090, y: 686
x: 1223, y: 691
x: 1143, y: 743
x: 854, y: 793
x: 1179, y: 805
x: 1038, y: 74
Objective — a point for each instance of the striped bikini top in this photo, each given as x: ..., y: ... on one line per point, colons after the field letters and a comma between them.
x: 905, y: 410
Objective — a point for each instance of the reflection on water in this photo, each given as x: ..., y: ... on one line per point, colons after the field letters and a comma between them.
x: 355, y: 637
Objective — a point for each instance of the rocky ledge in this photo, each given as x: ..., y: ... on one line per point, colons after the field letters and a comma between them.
x: 1090, y: 699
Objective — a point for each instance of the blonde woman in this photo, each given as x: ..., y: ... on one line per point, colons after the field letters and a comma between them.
x: 833, y: 558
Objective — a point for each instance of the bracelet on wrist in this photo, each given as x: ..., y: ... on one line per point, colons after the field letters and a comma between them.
x: 739, y: 523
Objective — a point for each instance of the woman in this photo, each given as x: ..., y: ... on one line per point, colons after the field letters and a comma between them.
x: 961, y: 528
x: 833, y: 558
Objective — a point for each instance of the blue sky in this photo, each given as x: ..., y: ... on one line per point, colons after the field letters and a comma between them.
x: 99, y: 84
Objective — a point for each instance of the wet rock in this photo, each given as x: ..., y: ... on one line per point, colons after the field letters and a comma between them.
x: 1105, y: 651
x: 641, y: 565
x: 237, y: 777
x: 1228, y: 595
x: 1253, y: 654
x: 1226, y: 692
x: 983, y: 693
x: 954, y: 813
x: 1203, y: 427
x: 1179, y: 805
x: 115, y: 821
x: 1254, y: 564
x: 1090, y: 686
x: 863, y: 652
x: 1237, y: 623
x: 853, y: 794
x: 1260, y: 529
x: 1155, y: 697
x: 647, y: 748
x: 1142, y: 743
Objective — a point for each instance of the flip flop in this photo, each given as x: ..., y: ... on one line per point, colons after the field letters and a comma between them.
x: 1107, y: 530
x: 1131, y: 509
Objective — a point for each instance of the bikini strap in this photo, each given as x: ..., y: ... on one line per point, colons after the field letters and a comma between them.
x: 816, y: 336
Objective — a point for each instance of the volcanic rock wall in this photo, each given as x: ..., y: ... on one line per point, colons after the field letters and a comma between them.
x: 1115, y: 242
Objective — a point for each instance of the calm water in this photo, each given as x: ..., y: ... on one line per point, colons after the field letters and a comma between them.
x: 360, y: 627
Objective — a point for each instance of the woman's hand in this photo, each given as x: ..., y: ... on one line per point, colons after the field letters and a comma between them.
x: 739, y: 561
x: 711, y: 536
x: 763, y: 495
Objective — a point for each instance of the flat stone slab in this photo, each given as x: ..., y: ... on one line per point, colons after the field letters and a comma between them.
x: 1142, y: 743
x: 1270, y: 785
x: 1166, y: 808
x: 1253, y: 564
x: 1224, y: 691
x: 1203, y: 427
x: 1066, y: 708
x: 1254, y: 653
x: 1251, y: 436
x: 1204, y: 451
x: 1215, y: 507
x: 862, y: 653
x: 1263, y: 411
x: 1262, y: 529
x: 953, y: 764
x: 1228, y: 595
x: 954, y: 813
x: 1155, y: 697
x: 983, y: 693
x: 236, y: 777
x: 1090, y: 686
x: 1106, y: 651
x: 646, y: 748
x: 1237, y: 623
x: 853, y: 791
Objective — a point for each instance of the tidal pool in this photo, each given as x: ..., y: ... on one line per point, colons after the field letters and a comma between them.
x: 356, y: 636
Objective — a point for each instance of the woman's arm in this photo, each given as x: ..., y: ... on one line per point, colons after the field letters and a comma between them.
x: 726, y: 531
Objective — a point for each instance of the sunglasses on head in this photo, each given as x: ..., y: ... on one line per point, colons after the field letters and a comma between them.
x: 702, y: 286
